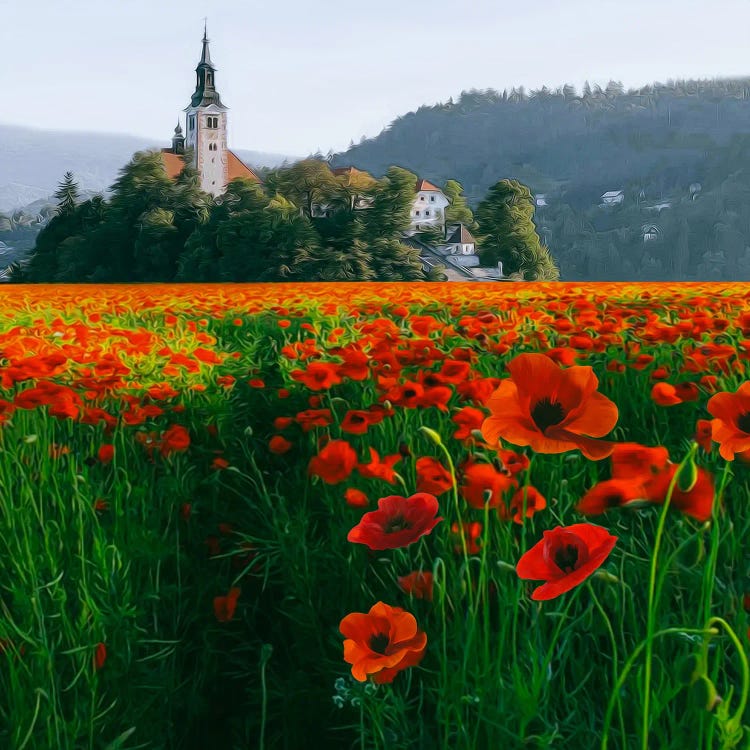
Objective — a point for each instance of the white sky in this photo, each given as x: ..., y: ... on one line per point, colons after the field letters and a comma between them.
x: 299, y: 75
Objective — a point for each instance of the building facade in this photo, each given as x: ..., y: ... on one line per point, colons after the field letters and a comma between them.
x: 206, y: 134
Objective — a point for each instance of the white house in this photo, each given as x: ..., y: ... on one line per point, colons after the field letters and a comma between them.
x: 541, y: 200
x: 429, y: 206
x: 651, y: 232
x: 613, y: 197
x: 460, y: 246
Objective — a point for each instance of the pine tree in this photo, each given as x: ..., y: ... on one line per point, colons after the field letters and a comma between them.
x: 67, y: 195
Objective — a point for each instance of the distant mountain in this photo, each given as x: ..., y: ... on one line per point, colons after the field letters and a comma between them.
x: 32, y: 162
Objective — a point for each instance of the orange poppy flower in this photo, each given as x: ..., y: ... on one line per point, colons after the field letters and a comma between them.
x: 703, y: 434
x: 731, y: 424
x: 472, y: 532
x: 432, y: 476
x: 550, y: 409
x: 382, y: 642
x: 318, y: 376
x: 468, y: 419
x: 356, y: 498
x: 484, y: 484
x: 106, y: 453
x: 175, y: 439
x: 534, y: 501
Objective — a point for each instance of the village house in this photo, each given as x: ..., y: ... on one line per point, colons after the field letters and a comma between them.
x: 429, y: 207
x: 613, y: 198
x: 651, y: 232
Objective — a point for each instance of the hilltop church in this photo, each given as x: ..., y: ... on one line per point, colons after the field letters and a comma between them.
x: 206, y: 126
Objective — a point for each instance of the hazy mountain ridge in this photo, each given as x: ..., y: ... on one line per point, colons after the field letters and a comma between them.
x: 32, y: 162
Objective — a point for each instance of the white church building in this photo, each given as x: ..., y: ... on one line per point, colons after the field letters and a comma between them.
x: 206, y: 127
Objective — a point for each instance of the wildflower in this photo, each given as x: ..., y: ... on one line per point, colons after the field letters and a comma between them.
x: 380, y: 469
x: 279, y: 445
x: 534, y: 501
x: 484, y: 484
x: 432, y: 476
x: 550, y: 409
x: 398, y: 522
x: 100, y: 656
x: 382, y: 642
x: 224, y: 606
x: 334, y: 463
x: 175, y: 439
x: 106, y: 453
x: 565, y: 557
x: 472, y: 532
x: 418, y: 584
x: 731, y: 424
x: 356, y: 498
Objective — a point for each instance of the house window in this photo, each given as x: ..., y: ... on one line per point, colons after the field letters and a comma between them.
x: 426, y: 213
x: 416, y: 213
x: 432, y: 199
x: 210, y: 79
x: 192, y: 122
x: 421, y: 197
x: 212, y: 122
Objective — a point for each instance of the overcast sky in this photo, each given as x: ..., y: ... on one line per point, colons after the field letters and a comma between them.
x: 300, y: 75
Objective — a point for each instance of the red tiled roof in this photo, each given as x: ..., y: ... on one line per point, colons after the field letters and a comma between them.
x: 237, y: 168
x: 424, y: 186
x: 173, y: 163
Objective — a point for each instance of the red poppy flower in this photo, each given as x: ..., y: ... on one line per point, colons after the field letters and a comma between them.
x: 106, y: 453
x: 432, y: 476
x: 731, y: 424
x: 356, y: 422
x: 703, y: 434
x: 468, y: 419
x: 419, y: 584
x: 279, y: 445
x: 318, y: 376
x: 100, y: 656
x: 175, y: 439
x: 550, y: 409
x: 534, y: 501
x: 334, y: 463
x: 512, y: 461
x: 382, y: 642
x: 398, y: 522
x: 378, y: 469
x: 472, y: 532
x: 565, y: 557
x: 224, y: 606
x: 356, y: 498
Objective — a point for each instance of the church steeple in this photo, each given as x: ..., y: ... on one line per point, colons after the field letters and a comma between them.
x: 205, y: 92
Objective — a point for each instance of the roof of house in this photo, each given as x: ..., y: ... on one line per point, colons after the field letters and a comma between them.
x: 426, y: 187
x: 238, y: 168
x: 612, y: 194
x: 461, y: 236
x: 173, y: 165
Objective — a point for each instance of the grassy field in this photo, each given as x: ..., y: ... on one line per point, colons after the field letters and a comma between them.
x: 374, y: 516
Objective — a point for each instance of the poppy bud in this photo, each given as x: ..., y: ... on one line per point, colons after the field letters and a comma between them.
x: 477, y: 435
x: 387, y: 405
x: 434, y: 436
x: 403, y: 449
x: 687, y: 475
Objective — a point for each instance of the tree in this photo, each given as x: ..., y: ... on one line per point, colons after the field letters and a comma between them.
x: 507, y: 233
x: 458, y: 212
x: 67, y: 195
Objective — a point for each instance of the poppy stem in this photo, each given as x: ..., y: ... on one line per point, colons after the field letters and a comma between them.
x: 650, y: 618
x: 615, y: 671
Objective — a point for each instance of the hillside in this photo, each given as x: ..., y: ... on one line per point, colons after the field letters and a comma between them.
x: 32, y: 162
x: 652, y: 143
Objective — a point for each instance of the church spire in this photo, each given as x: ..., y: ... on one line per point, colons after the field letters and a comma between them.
x: 205, y: 92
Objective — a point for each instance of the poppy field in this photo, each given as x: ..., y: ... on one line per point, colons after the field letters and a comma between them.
x: 375, y: 516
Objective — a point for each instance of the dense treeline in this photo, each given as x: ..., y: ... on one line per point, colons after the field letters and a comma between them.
x: 152, y: 228
x: 658, y: 144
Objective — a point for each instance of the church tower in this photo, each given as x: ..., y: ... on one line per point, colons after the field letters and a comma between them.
x: 206, y: 128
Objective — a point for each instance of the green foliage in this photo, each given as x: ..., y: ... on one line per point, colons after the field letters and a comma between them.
x: 458, y: 212
x: 507, y: 233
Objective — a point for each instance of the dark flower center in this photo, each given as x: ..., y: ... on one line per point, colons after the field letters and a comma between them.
x: 743, y: 422
x: 379, y: 643
x: 409, y: 393
x: 397, y: 523
x: 547, y: 413
x: 357, y: 418
x: 566, y: 558
x: 612, y: 501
